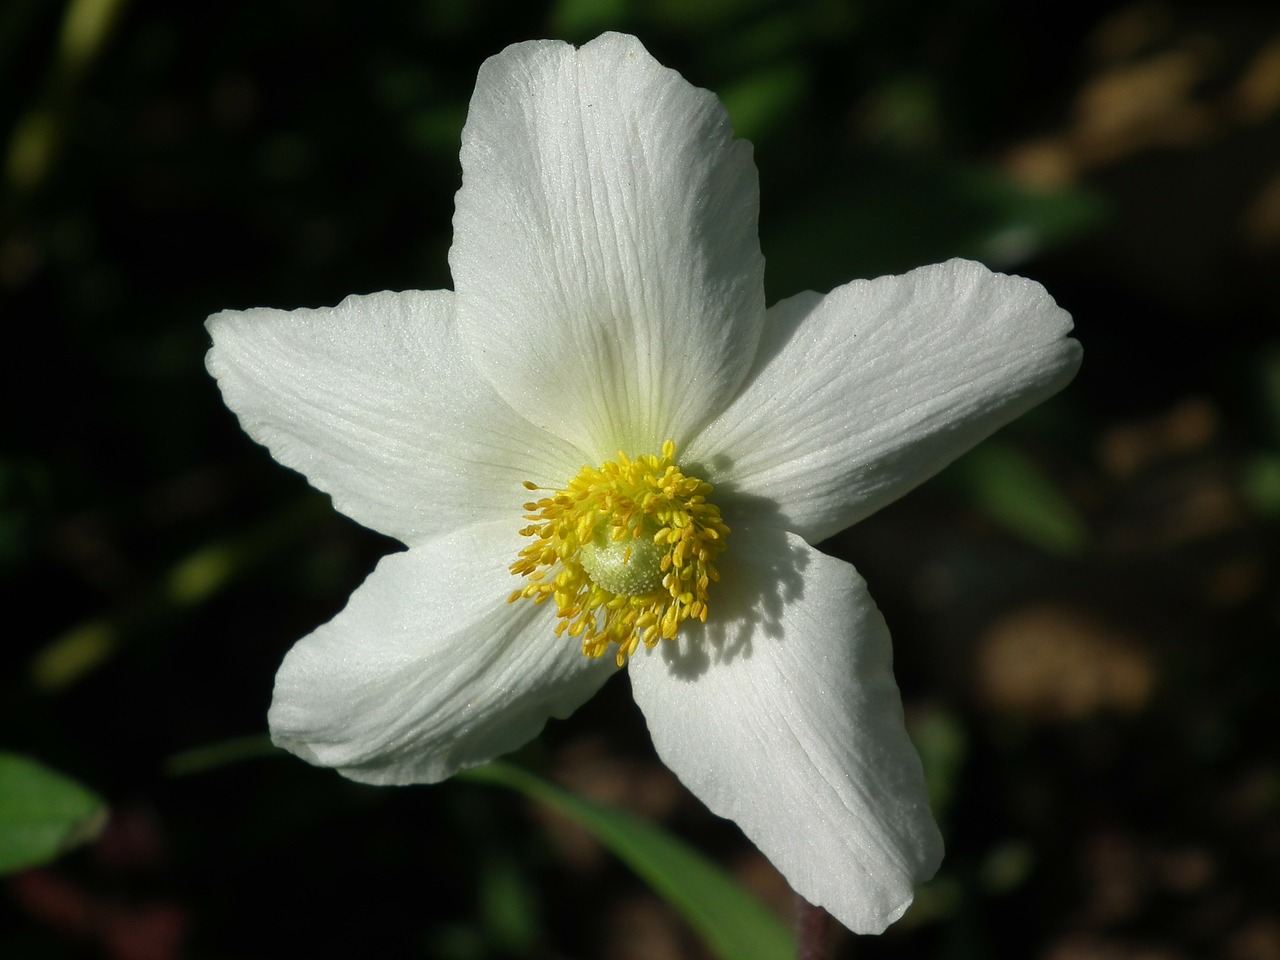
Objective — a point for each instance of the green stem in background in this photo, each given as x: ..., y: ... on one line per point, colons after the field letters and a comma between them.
x: 37, y: 136
x: 190, y: 582
x: 734, y: 924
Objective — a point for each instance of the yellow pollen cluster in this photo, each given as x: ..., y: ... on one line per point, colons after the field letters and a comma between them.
x: 626, y: 550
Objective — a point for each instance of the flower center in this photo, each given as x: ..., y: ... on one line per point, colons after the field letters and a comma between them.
x: 626, y: 550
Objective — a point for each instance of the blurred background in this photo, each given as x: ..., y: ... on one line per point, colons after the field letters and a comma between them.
x: 1085, y: 609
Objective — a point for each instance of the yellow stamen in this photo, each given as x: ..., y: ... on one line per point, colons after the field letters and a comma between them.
x: 626, y: 550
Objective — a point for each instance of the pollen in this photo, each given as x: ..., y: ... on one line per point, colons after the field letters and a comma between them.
x: 626, y: 551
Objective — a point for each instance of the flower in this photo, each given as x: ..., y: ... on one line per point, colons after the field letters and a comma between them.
x: 608, y: 346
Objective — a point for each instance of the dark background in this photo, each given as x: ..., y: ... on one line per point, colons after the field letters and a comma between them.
x: 1085, y: 610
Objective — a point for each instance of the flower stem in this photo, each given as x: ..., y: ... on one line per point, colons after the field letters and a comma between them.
x: 813, y: 931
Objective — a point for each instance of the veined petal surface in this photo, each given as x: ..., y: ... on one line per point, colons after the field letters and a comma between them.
x: 376, y: 402
x: 428, y: 670
x: 858, y: 396
x: 782, y: 715
x: 605, y: 255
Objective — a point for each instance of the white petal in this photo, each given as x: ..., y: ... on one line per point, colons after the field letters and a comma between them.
x: 861, y: 395
x: 428, y: 670
x: 605, y: 250
x: 377, y: 404
x: 782, y: 715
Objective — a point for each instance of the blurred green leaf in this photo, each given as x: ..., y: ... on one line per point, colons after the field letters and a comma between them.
x: 23, y: 483
x: 734, y: 924
x: 708, y: 14
x: 940, y: 739
x: 581, y: 19
x: 757, y: 102
x: 42, y: 813
x: 1007, y: 867
x: 508, y: 906
x: 1261, y: 481
x: 87, y: 26
x: 456, y: 941
x: 904, y: 114
x: 1269, y: 384
x: 880, y: 218
x: 1013, y: 491
x: 190, y: 582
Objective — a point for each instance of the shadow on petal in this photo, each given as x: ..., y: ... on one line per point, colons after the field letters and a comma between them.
x: 761, y: 573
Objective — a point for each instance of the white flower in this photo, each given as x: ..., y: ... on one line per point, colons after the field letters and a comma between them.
x: 608, y: 300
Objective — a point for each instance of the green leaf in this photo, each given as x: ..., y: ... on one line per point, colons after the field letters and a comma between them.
x: 878, y: 217
x: 1012, y: 490
x: 734, y: 923
x: 940, y: 739
x: 1261, y: 482
x: 1269, y: 388
x: 581, y: 19
x: 192, y: 581
x: 42, y: 813
x: 758, y: 102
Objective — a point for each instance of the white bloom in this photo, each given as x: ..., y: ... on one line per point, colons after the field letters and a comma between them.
x: 609, y: 299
